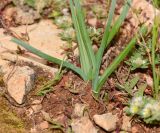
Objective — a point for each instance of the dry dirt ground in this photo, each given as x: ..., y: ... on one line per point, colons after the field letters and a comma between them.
x: 54, y: 112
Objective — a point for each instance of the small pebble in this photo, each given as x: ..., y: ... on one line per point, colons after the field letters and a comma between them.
x: 36, y: 108
x: 43, y: 125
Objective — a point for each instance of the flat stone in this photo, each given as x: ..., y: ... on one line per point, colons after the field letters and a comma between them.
x: 79, y: 110
x: 26, y: 17
x: 19, y: 81
x: 148, y: 79
x: 3, y: 64
x: 6, y: 58
x: 83, y: 125
x: 36, y: 102
x: 92, y: 22
x: 126, y: 125
x: 147, y: 11
x: 36, y: 108
x: 42, y: 35
x: 43, y: 125
x: 106, y: 121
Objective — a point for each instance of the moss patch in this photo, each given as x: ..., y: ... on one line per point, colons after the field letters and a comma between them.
x: 9, y: 122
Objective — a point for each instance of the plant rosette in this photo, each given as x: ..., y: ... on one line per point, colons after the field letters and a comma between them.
x: 146, y: 108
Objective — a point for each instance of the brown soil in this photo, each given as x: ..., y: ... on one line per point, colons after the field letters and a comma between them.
x: 59, y: 103
x: 62, y: 99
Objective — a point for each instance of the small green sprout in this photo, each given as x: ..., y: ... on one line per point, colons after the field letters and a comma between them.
x: 128, y: 85
x: 95, y: 34
x: 136, y: 105
x: 63, y: 22
x: 68, y: 34
x: 138, y: 60
x: 146, y: 108
x: 146, y: 111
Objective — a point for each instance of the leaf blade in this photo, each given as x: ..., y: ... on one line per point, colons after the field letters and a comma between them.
x: 48, y: 57
x: 84, y: 59
x: 117, y: 60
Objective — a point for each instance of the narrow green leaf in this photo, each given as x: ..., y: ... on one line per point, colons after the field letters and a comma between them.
x: 109, y: 34
x: 153, y: 53
x: 85, y: 35
x: 84, y: 58
x: 119, y: 21
x: 117, y: 61
x: 104, y: 42
x: 129, y: 85
x: 141, y: 89
x: 49, y: 58
x: 106, y: 33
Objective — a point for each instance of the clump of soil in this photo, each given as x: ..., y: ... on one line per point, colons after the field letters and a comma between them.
x: 63, y: 98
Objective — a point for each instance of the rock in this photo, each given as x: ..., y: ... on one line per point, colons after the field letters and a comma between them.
x: 95, y: 48
x: 20, y: 15
x: 126, y: 125
x: 135, y: 129
x: 8, y: 14
x: 83, y: 125
x: 47, y: 41
x: 36, y: 108
x: 37, y: 102
x: 6, y: 58
x: 79, y: 110
x: 19, y: 82
x: 92, y: 22
x: 147, y: 11
x: 29, y: 112
x: 148, y: 79
x: 33, y: 130
x: 106, y: 121
x: 61, y: 119
x: 39, y: 5
x: 65, y: 12
x: 43, y: 125
x: 3, y: 64
x: 26, y: 17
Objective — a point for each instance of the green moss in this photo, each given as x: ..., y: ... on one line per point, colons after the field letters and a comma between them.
x: 9, y: 122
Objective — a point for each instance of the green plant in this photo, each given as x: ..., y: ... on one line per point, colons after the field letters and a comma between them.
x: 46, y: 88
x: 137, y: 60
x: 156, y: 3
x: 95, y: 34
x: 155, y: 70
x: 141, y: 56
x: 146, y: 108
x: 68, y: 35
x: 63, y: 22
x: 30, y: 2
x: 129, y: 85
x: 90, y: 62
